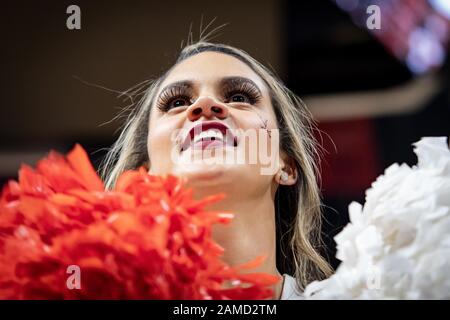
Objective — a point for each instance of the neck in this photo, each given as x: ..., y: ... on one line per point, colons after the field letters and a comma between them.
x: 250, y: 234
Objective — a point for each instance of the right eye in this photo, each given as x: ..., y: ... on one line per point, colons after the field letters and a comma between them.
x: 167, y: 103
x: 178, y: 102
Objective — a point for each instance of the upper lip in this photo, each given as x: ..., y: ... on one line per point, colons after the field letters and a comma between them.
x: 206, y: 125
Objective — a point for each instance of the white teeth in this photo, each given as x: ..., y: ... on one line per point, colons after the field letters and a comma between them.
x: 210, y: 134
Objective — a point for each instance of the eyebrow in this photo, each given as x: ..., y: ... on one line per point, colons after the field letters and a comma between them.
x: 231, y: 81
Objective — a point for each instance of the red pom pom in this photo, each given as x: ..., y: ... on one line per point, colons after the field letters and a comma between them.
x: 146, y: 239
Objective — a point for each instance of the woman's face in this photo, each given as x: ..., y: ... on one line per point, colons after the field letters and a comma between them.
x: 209, y: 107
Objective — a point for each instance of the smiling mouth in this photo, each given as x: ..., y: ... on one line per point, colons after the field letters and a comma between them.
x: 207, y: 135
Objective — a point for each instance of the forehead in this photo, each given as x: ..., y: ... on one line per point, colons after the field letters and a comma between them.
x: 211, y: 67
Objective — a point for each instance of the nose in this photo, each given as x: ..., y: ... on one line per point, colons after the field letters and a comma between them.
x: 208, y: 108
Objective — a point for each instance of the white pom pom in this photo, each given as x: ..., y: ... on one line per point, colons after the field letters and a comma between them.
x: 398, y: 245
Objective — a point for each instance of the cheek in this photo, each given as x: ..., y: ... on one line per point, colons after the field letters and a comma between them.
x: 259, y: 118
x: 160, y: 145
x: 261, y: 122
x: 259, y: 141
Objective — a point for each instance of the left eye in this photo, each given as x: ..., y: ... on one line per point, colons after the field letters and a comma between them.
x: 239, y: 97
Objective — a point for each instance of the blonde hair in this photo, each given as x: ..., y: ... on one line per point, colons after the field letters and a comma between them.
x: 297, y: 207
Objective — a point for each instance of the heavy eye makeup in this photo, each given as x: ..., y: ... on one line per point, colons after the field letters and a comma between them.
x: 232, y: 90
x: 240, y: 90
x: 175, y: 95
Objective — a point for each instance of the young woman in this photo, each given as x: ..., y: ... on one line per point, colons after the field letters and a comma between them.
x: 202, y: 106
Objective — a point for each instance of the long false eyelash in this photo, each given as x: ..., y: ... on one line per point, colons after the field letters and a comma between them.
x: 246, y: 88
x: 170, y: 95
x: 184, y: 92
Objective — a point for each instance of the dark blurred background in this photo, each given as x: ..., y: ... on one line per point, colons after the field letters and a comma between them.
x: 373, y: 92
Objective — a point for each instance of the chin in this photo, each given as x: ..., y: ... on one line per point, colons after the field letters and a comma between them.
x: 201, y: 175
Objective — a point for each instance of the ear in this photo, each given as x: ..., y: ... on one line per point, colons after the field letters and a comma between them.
x: 287, y: 175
